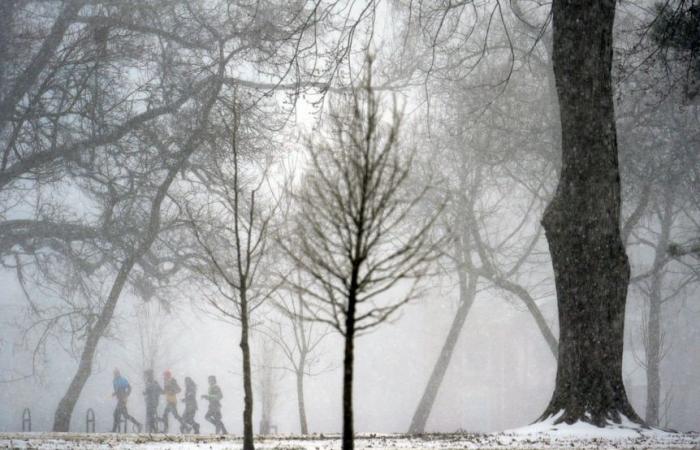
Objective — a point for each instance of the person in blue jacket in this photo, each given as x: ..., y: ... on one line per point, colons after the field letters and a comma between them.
x: 122, y: 389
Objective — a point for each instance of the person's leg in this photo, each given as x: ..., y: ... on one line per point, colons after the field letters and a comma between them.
x: 166, y: 413
x: 116, y: 416
x: 195, y: 426
x: 185, y: 421
x: 220, y: 428
x: 177, y: 415
x: 151, y: 419
x: 223, y: 427
x: 131, y: 418
x: 209, y: 417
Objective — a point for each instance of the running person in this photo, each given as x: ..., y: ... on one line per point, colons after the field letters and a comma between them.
x: 213, y: 414
x: 122, y: 389
x: 171, y: 389
x: 190, y: 401
x: 152, y: 393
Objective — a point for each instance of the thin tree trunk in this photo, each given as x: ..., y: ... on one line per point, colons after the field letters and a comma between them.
x: 65, y: 408
x: 300, y: 402
x: 582, y: 222
x: 653, y: 354
x: 247, y: 378
x: 467, y: 292
x: 66, y: 405
x: 348, y: 362
x: 532, y: 307
x: 653, y: 333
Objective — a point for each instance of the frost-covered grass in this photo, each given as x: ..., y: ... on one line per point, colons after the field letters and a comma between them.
x: 541, y: 435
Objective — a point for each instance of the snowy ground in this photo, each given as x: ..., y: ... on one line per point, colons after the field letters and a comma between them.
x: 542, y: 435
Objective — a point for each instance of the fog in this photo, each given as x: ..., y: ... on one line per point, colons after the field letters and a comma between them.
x: 179, y: 191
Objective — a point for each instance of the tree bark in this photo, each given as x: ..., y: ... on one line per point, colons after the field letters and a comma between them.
x: 348, y: 363
x: 582, y: 222
x: 303, y: 426
x: 7, y: 17
x: 247, y: 378
x: 653, y: 332
x: 467, y: 292
x: 653, y: 353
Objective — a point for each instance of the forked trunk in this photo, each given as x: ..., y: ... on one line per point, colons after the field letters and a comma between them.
x: 582, y: 223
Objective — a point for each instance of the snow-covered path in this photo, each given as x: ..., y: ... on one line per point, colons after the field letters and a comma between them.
x: 517, y: 439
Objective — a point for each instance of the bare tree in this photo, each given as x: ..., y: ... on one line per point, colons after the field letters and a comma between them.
x: 582, y: 222
x: 231, y: 222
x: 497, y: 170
x: 268, y: 376
x: 90, y: 87
x: 355, y: 236
x: 299, y: 341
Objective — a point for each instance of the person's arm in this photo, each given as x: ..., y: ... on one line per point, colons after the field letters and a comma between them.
x: 218, y: 395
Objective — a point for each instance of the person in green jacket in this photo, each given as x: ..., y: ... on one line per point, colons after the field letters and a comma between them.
x: 213, y: 414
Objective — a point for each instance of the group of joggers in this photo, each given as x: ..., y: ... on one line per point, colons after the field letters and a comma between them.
x: 170, y: 388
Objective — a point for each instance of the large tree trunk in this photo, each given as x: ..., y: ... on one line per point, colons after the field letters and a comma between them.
x: 467, y: 292
x: 303, y: 426
x: 247, y: 377
x: 582, y: 223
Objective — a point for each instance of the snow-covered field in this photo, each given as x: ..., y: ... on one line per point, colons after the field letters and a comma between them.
x: 538, y: 436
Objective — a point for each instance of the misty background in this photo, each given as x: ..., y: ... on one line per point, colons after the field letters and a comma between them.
x: 500, y: 123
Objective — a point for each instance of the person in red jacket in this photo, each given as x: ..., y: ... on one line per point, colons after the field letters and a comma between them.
x: 171, y: 389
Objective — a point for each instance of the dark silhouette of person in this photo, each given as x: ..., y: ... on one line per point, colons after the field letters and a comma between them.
x: 171, y: 389
x: 122, y: 390
x: 190, y: 401
x: 151, y: 393
x: 213, y: 414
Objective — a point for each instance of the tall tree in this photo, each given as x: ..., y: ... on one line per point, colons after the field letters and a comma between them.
x: 231, y: 221
x: 582, y: 222
x: 90, y: 88
x: 356, y: 235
